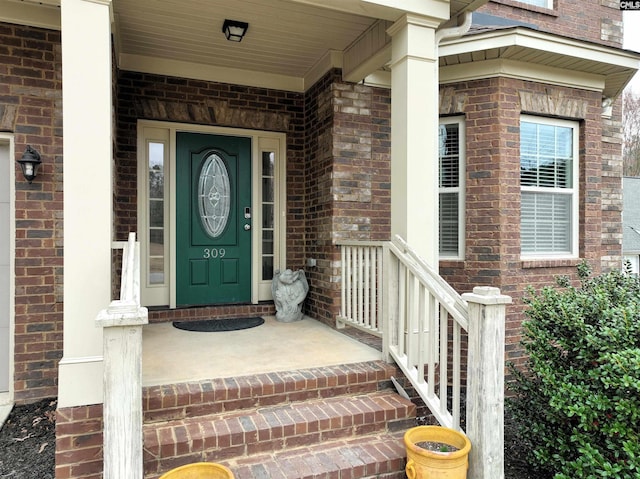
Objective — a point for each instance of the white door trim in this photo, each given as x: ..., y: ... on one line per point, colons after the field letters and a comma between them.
x: 262, y: 141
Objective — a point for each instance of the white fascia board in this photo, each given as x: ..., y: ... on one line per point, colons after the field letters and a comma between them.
x: 385, y: 9
x: 381, y: 79
x: 532, y: 39
x: 331, y: 59
x: 433, y: 8
x: 160, y: 66
x: 522, y: 71
x: 31, y: 14
x: 372, y: 64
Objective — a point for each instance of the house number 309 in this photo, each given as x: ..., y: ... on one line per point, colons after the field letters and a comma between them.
x: 214, y: 253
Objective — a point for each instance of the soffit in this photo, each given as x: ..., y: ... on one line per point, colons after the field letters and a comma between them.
x: 283, y: 38
x: 289, y: 43
x: 524, y: 46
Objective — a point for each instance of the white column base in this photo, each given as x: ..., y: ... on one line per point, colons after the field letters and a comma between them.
x: 80, y: 381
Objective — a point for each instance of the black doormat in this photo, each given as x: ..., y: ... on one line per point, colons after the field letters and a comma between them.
x: 217, y: 325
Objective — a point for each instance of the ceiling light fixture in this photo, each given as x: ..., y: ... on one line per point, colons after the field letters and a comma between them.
x: 234, y: 30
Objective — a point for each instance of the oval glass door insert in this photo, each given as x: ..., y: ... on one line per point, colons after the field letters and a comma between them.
x: 214, y: 195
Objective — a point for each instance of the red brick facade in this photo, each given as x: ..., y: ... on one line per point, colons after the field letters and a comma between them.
x: 338, y: 146
x: 347, y: 180
x: 492, y: 110
x: 31, y: 108
x: 338, y: 175
x: 79, y: 442
x: 338, y: 184
x: 598, y: 21
x: 154, y: 97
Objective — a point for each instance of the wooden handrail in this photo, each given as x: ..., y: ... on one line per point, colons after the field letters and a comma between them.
x: 422, y: 323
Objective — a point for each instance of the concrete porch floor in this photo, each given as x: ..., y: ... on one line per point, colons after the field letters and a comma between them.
x: 172, y: 355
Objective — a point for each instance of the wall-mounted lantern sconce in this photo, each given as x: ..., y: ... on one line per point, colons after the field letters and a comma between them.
x: 234, y: 31
x: 29, y: 163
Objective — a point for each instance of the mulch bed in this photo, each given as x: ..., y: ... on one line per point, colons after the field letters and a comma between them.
x: 28, y: 442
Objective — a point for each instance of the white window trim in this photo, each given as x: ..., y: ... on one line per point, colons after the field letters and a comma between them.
x: 549, y: 4
x: 461, y: 189
x: 574, y: 191
x: 165, y: 132
x: 634, y: 259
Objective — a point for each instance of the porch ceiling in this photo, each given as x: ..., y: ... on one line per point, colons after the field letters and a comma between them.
x: 289, y: 43
x: 284, y: 39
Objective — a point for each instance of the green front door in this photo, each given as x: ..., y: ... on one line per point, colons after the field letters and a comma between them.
x: 213, y: 219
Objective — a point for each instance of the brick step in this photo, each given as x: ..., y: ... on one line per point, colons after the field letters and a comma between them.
x: 283, y: 427
x: 188, y: 400
x: 379, y: 456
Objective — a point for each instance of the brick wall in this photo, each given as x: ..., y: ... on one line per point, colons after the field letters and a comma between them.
x: 337, y: 159
x: 597, y: 21
x: 347, y: 180
x: 611, y: 189
x: 316, y: 190
x: 30, y: 108
x: 79, y: 442
x: 492, y: 111
x: 156, y: 97
x: 337, y: 177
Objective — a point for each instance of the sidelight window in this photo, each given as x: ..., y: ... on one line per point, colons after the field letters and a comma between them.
x: 268, y: 215
x: 156, y: 221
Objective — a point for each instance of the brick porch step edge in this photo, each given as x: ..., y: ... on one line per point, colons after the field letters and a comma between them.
x: 183, y: 400
x: 380, y: 456
x: 282, y: 427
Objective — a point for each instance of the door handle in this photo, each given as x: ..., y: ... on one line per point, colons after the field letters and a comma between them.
x: 247, y: 227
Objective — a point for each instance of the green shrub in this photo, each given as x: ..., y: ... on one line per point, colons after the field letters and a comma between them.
x: 577, y: 403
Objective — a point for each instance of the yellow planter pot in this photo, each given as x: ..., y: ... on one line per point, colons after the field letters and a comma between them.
x: 427, y: 464
x: 199, y: 470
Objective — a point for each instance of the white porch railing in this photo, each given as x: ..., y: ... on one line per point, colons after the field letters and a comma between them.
x: 361, y: 286
x: 122, y: 410
x: 425, y: 326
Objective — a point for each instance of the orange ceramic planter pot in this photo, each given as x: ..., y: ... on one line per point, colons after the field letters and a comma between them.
x: 199, y: 470
x: 427, y: 464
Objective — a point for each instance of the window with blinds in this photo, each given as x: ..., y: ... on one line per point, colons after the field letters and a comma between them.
x: 548, y: 182
x: 451, y: 188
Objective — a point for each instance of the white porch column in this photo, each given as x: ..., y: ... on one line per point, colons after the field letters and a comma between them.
x: 87, y: 113
x: 414, y: 128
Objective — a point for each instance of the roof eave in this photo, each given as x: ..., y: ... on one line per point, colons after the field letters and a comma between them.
x: 621, y: 64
